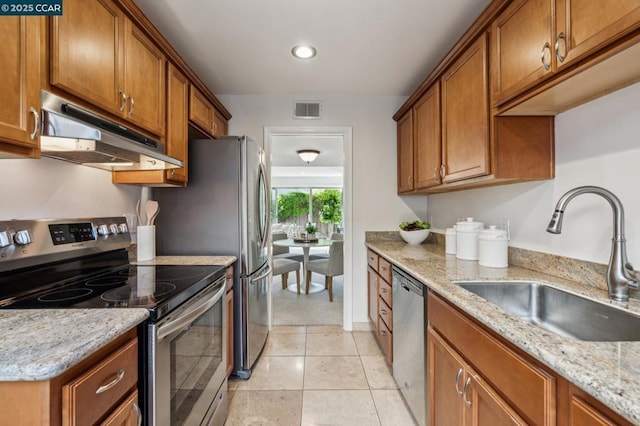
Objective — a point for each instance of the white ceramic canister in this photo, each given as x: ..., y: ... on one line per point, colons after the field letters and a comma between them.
x: 450, y: 240
x: 467, y: 239
x: 493, y: 246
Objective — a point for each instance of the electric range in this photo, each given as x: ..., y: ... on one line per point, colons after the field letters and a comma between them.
x: 84, y: 263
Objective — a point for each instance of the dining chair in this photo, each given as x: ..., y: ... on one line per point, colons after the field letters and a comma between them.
x: 335, y: 237
x: 330, y: 267
x: 279, y: 252
x: 282, y: 267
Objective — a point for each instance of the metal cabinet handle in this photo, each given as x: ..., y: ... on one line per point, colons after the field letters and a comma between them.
x: 383, y: 290
x: 435, y: 172
x: 132, y: 105
x: 137, y: 410
x: 409, y: 179
x: 36, y: 123
x: 458, y: 391
x: 545, y: 56
x: 561, y: 45
x: 123, y: 100
x: 384, y: 333
x: 383, y: 311
x: 464, y: 392
x: 111, y: 384
x: 443, y: 171
x: 215, y: 127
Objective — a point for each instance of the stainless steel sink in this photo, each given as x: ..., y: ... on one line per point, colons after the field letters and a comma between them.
x: 555, y: 310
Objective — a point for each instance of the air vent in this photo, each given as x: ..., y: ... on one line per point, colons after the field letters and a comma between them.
x: 307, y: 110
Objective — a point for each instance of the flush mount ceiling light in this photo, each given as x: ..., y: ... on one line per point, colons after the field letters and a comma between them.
x: 304, y: 52
x: 308, y: 155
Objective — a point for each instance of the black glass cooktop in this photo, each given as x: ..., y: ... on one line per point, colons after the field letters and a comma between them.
x: 104, y: 283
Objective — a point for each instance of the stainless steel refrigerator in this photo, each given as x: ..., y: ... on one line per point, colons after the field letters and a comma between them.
x: 224, y: 210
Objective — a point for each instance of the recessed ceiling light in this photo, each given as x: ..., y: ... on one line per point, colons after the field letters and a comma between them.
x: 304, y: 52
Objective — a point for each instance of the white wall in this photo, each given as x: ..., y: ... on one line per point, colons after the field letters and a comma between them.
x: 596, y: 144
x: 375, y: 203
x: 46, y: 188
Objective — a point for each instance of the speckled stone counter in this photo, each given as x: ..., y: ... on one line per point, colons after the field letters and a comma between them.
x: 189, y: 260
x: 610, y: 372
x: 39, y: 344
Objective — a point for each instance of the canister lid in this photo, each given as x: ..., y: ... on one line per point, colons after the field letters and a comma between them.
x: 469, y: 225
x: 493, y: 234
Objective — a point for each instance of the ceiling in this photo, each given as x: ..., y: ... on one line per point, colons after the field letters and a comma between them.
x: 365, y: 47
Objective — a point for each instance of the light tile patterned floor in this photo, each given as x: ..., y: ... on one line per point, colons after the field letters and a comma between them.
x: 318, y: 375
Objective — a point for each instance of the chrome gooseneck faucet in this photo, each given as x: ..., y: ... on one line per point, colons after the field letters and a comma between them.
x: 620, y: 274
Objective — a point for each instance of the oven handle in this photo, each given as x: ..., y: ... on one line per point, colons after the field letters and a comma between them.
x: 183, y: 320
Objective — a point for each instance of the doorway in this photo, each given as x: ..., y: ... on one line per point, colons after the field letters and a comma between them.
x: 324, y: 139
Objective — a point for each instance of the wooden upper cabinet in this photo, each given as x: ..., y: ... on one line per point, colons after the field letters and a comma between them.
x: 522, y: 42
x: 177, y: 106
x: 102, y: 57
x: 87, y: 53
x: 427, y: 139
x: 465, y: 114
x: 220, y: 125
x: 405, y: 153
x: 177, y: 123
x: 201, y: 111
x: 20, y: 71
x: 144, y: 80
x: 584, y: 26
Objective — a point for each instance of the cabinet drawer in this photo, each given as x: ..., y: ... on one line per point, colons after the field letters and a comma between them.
x: 385, y: 339
x: 385, y: 313
x: 385, y: 292
x: 384, y: 269
x: 126, y: 414
x: 94, y: 393
x: 372, y: 260
x: 530, y: 389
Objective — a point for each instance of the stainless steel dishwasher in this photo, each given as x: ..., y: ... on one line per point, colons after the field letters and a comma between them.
x: 409, y: 349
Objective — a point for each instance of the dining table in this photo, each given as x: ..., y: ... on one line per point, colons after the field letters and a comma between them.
x: 306, y: 246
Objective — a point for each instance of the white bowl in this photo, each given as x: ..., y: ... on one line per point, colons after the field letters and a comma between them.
x: 414, y: 237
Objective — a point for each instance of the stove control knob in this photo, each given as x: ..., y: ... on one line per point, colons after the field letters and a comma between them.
x: 5, y: 239
x: 22, y: 238
x: 123, y: 228
x: 113, y: 229
x: 103, y: 230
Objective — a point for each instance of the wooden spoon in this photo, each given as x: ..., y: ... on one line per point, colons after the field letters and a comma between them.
x: 152, y: 207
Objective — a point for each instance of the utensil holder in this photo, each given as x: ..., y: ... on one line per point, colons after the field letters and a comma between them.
x: 146, y: 243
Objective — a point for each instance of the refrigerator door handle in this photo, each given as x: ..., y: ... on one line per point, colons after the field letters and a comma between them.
x: 263, y: 222
x: 259, y: 277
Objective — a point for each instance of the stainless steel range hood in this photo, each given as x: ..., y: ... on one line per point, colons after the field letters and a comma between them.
x: 74, y: 134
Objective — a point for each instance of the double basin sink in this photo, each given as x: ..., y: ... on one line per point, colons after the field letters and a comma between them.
x: 558, y: 311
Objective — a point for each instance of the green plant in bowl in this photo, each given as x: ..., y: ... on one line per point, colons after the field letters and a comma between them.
x: 414, y: 232
x: 415, y: 225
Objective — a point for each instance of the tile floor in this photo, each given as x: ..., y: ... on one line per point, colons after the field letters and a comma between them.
x: 318, y: 375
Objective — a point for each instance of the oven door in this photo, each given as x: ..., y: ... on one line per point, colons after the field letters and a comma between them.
x: 187, y: 378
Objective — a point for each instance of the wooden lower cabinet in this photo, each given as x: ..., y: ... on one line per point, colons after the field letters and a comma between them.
x: 458, y: 395
x: 380, y: 302
x: 101, y: 389
x: 517, y: 383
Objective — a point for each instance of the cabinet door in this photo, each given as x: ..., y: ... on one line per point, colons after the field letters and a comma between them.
x: 201, y: 112
x: 446, y: 381
x: 177, y: 125
x: 86, y: 52
x: 385, y: 338
x: 583, y: 414
x: 372, y: 278
x: 220, y: 125
x: 405, y: 153
x: 20, y: 38
x: 522, y: 37
x: 126, y: 414
x: 465, y: 115
x: 584, y: 26
x: 427, y: 138
x: 145, y: 80
x: 483, y: 405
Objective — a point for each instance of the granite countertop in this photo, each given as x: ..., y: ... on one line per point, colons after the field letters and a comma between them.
x: 609, y: 371
x: 189, y: 260
x: 40, y: 344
